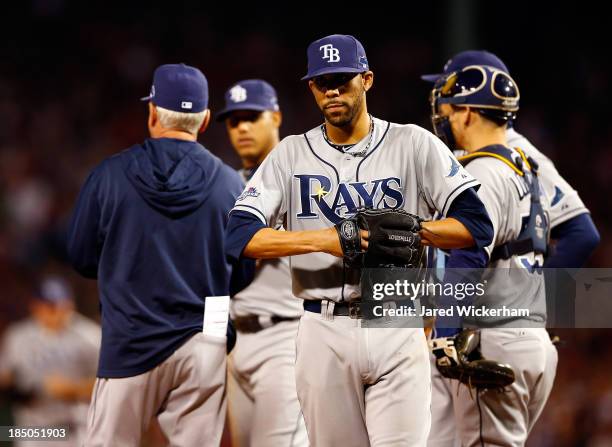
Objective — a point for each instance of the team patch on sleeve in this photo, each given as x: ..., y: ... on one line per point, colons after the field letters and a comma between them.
x: 558, y: 196
x: 249, y: 192
x: 454, y: 168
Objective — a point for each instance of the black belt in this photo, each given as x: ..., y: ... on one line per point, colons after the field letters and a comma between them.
x: 253, y: 323
x: 343, y: 309
x: 354, y: 309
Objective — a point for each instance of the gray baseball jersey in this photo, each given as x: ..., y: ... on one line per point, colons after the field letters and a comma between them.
x: 270, y: 292
x: 514, y: 282
x: 505, y: 419
x: 33, y: 354
x: 563, y: 199
x: 262, y: 398
x: 314, y: 186
x: 372, y: 377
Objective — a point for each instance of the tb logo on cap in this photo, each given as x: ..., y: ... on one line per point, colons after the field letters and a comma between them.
x: 238, y: 94
x: 330, y: 53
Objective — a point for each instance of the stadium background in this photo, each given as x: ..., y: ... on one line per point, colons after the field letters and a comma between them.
x: 71, y: 75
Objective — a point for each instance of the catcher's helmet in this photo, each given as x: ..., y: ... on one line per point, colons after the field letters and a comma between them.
x: 489, y: 90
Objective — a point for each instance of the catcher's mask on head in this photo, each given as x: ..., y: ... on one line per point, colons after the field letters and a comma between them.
x: 490, y: 91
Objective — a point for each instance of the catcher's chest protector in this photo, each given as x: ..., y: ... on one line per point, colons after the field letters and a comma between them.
x: 535, y: 233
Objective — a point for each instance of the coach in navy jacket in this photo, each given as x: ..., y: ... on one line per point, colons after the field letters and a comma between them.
x: 149, y: 224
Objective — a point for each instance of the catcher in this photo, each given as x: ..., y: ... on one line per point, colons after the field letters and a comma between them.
x: 470, y: 110
x: 357, y: 386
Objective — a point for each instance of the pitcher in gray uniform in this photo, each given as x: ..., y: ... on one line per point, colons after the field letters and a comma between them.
x: 357, y: 386
x: 262, y: 399
x: 470, y: 110
x: 49, y: 362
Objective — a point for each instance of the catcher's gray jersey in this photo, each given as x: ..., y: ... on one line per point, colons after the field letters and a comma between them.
x: 460, y: 415
x: 517, y: 282
x: 563, y: 199
x: 312, y: 186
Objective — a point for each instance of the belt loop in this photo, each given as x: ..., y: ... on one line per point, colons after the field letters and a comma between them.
x: 265, y: 321
x: 330, y: 310
x: 327, y: 310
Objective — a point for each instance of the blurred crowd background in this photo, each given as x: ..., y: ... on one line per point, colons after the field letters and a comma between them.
x: 71, y: 75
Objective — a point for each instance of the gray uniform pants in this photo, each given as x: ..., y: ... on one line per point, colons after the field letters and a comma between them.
x: 263, y: 404
x: 186, y: 392
x: 500, y: 418
x: 361, y: 386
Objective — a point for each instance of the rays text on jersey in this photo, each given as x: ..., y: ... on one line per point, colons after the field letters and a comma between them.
x: 319, y: 196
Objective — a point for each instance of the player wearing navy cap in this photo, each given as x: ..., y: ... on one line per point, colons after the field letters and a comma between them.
x: 263, y: 404
x: 148, y: 224
x: 573, y: 231
x: 253, y: 118
x: 471, y: 108
x: 357, y: 386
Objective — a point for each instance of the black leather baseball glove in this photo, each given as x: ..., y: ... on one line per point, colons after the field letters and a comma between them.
x: 459, y: 358
x: 394, y: 239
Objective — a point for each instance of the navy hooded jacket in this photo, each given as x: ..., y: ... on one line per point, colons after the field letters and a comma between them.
x: 149, y: 224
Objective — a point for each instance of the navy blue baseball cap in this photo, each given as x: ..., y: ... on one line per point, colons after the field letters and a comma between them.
x: 466, y: 58
x: 250, y: 94
x: 54, y: 290
x: 180, y: 88
x: 337, y: 53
